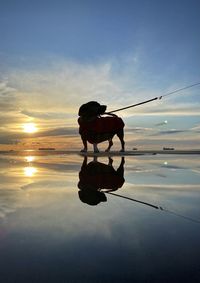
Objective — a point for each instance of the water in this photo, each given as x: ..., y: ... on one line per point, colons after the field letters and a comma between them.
x: 56, y: 227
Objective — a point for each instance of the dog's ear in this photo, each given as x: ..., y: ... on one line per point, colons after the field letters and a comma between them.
x: 83, y: 110
x: 90, y: 108
x: 102, y: 109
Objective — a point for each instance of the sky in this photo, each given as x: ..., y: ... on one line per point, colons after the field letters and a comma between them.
x: 57, y: 55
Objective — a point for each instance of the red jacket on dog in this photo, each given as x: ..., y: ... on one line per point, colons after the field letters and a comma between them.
x: 97, y: 129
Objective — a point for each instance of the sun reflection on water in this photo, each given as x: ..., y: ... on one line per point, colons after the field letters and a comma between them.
x: 30, y: 171
x: 30, y: 158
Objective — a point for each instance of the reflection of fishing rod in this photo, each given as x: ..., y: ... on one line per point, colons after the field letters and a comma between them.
x: 156, y: 207
x: 155, y: 98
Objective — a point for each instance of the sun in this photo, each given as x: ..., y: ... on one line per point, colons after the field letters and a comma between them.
x: 30, y: 128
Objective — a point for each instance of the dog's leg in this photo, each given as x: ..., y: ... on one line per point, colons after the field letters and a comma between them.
x: 95, y: 147
x: 110, y: 161
x: 95, y: 159
x: 109, y: 145
x: 84, y: 140
x: 120, y: 135
x: 120, y: 170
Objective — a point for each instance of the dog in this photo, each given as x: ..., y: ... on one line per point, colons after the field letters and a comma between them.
x: 94, y: 128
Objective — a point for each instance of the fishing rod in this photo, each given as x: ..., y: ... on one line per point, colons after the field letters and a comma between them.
x: 155, y: 98
x: 156, y: 207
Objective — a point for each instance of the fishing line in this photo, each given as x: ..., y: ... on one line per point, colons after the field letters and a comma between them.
x: 155, y: 98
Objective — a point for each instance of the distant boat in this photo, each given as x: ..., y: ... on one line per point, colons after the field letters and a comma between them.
x: 168, y: 148
x: 46, y: 148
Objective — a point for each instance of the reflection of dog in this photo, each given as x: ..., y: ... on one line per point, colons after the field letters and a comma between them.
x: 95, y: 177
x: 95, y: 129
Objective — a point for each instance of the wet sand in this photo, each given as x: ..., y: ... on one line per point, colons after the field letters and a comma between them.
x: 58, y: 223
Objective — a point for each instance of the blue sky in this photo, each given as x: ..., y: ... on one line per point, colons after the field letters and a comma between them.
x: 56, y: 55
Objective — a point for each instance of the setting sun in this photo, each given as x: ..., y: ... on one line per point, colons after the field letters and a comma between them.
x: 30, y: 128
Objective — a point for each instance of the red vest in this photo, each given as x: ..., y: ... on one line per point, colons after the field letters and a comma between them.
x: 98, y: 127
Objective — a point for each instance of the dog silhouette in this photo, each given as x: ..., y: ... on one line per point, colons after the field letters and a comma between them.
x: 95, y: 129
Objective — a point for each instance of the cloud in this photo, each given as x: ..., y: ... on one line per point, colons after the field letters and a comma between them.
x: 196, y: 129
x: 139, y: 129
x: 66, y: 131
x: 5, y: 89
x: 7, y: 140
x: 13, y: 137
x: 169, y: 132
x: 162, y: 123
x: 193, y: 130
x: 65, y: 85
x: 188, y: 109
x: 51, y: 94
x: 62, y: 86
x: 8, y: 99
x: 7, y: 119
x: 46, y: 115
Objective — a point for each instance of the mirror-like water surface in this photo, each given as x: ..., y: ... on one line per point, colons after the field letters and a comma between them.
x: 65, y: 218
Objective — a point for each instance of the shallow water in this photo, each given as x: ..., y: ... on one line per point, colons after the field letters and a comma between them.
x: 57, y: 224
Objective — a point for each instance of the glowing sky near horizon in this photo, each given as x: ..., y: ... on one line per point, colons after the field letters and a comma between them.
x: 56, y: 55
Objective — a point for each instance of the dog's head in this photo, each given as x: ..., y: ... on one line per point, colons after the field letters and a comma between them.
x: 91, y: 109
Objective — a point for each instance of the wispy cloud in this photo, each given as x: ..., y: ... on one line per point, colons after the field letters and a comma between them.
x: 64, y: 86
x: 139, y: 129
x: 51, y: 95
x: 5, y: 89
x: 46, y: 115
x: 193, y: 130
x: 188, y: 109
x: 67, y: 131
x: 196, y: 129
x: 169, y: 132
x: 8, y: 97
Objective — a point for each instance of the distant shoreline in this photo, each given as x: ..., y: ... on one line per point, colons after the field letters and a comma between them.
x: 102, y: 153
